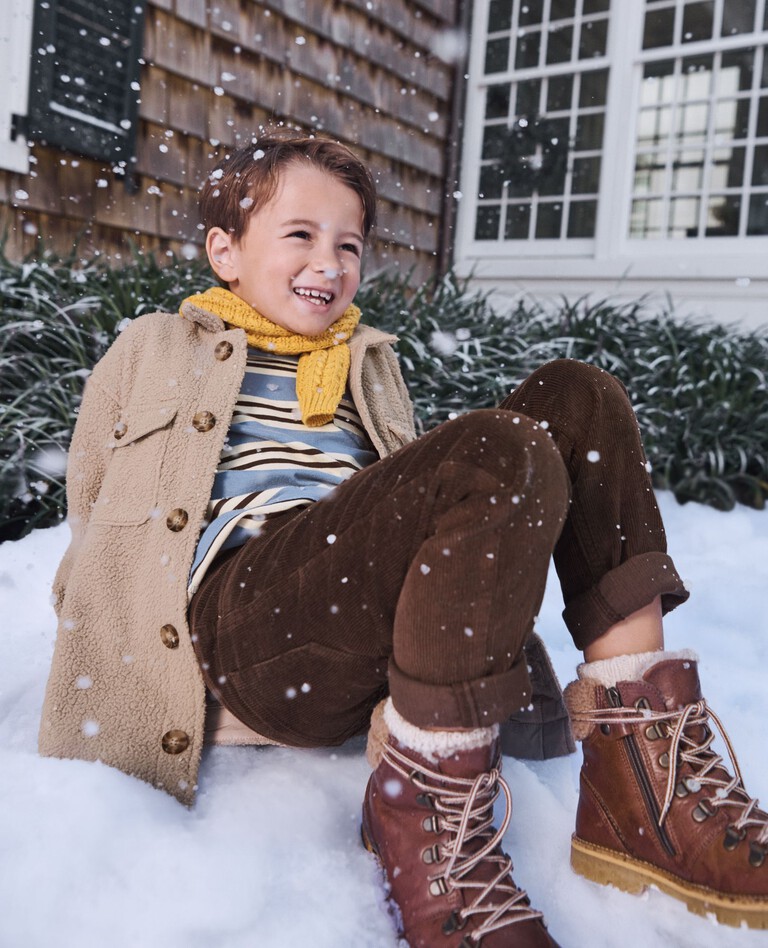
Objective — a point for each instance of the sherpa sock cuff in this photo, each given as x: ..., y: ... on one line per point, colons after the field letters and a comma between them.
x: 608, y: 671
x: 435, y: 744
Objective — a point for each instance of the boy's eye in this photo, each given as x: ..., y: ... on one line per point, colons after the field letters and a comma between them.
x: 302, y: 234
x: 351, y: 248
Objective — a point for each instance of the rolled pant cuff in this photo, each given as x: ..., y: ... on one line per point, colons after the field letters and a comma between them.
x: 622, y: 591
x: 479, y: 702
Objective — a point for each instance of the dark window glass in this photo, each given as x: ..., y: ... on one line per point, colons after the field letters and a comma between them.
x: 548, y: 220
x: 589, y: 132
x: 728, y: 168
x: 762, y: 118
x: 594, y: 88
x: 596, y: 6
x: 559, y: 90
x: 497, y: 55
x: 581, y: 219
x: 760, y: 166
x: 499, y: 15
x: 497, y: 101
x: 740, y: 63
x: 559, y: 43
x: 487, y: 224
x: 518, y: 222
x: 527, y: 50
x: 531, y: 11
x: 724, y: 213
x: 738, y: 17
x: 491, y: 181
x: 562, y: 9
x: 528, y: 97
x: 84, y: 74
x: 593, y: 39
x: 494, y: 141
x: 586, y: 175
x: 659, y: 29
x: 698, y: 21
x: 757, y: 223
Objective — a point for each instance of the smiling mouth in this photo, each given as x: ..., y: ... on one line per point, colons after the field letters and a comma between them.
x: 318, y: 297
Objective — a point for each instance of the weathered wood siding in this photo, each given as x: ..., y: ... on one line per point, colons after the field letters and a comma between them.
x: 362, y: 71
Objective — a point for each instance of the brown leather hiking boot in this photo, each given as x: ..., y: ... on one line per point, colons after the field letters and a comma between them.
x: 657, y: 806
x: 431, y: 827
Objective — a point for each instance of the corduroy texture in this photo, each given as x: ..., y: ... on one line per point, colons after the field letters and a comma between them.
x: 324, y: 359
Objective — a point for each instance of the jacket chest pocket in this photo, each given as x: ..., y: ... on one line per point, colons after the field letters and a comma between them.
x: 129, y: 490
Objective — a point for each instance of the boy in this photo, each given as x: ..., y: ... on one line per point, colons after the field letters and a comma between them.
x: 343, y: 563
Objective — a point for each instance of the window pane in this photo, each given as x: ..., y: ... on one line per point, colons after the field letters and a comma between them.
x: 653, y: 126
x: 684, y: 217
x: 596, y: 6
x: 531, y: 12
x: 688, y: 171
x: 527, y: 50
x: 497, y: 101
x: 495, y: 141
x: 650, y: 174
x: 518, y: 222
x: 593, y: 39
x: 698, y: 21
x: 589, y: 132
x: 696, y: 77
x: 757, y: 225
x: 499, y: 15
x: 760, y: 165
x: 692, y: 123
x: 727, y: 168
x: 497, y: 55
x: 487, y: 226
x: 559, y: 45
x: 723, y: 216
x: 548, y: 221
x: 586, y: 175
x: 581, y: 219
x: 562, y: 9
x: 491, y: 181
x: 594, y: 88
x: 659, y: 29
x: 732, y: 118
x: 647, y: 219
x: 559, y: 90
x: 528, y: 97
x: 762, y: 118
x: 738, y: 17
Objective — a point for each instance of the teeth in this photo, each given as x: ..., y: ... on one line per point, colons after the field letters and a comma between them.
x: 321, y: 295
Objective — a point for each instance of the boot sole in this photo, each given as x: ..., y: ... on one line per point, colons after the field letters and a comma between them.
x: 607, y: 867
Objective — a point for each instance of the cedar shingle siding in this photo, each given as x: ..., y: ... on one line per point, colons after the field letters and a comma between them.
x: 363, y: 71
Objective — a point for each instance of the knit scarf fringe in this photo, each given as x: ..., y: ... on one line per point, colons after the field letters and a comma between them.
x: 323, y: 360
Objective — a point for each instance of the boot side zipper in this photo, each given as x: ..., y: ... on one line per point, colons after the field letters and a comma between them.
x: 643, y: 782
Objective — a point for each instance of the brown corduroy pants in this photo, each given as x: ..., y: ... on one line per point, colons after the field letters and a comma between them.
x: 422, y: 575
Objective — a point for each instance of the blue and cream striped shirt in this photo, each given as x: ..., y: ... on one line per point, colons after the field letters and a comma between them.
x: 272, y: 461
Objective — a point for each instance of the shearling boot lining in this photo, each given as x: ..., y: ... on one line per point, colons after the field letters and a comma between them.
x: 435, y: 744
x: 609, y: 671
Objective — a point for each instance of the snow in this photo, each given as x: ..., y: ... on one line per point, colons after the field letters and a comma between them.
x: 270, y: 854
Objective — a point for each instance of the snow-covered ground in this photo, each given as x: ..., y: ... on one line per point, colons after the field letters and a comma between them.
x: 270, y: 855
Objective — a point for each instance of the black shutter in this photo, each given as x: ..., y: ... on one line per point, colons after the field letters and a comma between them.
x: 84, y: 88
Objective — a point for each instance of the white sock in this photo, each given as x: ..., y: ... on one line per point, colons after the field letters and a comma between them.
x: 435, y: 744
x: 632, y: 667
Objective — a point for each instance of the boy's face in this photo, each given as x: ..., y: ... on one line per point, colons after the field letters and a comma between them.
x: 298, y: 262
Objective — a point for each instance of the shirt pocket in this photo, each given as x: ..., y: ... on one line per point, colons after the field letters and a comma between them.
x: 129, y: 490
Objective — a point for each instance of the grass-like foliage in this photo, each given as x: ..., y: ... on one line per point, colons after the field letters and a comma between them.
x: 699, y: 390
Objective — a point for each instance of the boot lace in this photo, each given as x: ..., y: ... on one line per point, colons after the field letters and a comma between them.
x: 708, y: 768
x: 464, y: 810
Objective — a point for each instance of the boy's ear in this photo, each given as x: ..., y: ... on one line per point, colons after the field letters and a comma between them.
x: 219, y: 246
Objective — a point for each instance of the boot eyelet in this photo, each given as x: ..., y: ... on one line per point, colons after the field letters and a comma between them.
x: 681, y: 790
x: 664, y: 761
x: 702, y: 811
x: 653, y: 733
x: 431, y: 824
x: 415, y: 775
x: 432, y: 855
x: 605, y: 728
x: 733, y: 837
x: 756, y: 855
x: 454, y: 923
x: 425, y: 800
x: 438, y: 887
x: 643, y: 704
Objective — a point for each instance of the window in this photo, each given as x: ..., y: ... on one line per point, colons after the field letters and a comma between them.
x: 84, y: 76
x: 701, y: 158
x: 615, y: 131
x: 15, y: 40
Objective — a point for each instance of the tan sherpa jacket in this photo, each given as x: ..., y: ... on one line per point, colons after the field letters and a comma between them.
x: 125, y: 686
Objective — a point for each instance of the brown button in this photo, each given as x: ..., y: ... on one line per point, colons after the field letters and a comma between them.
x: 121, y: 429
x: 169, y: 636
x: 223, y: 350
x: 175, y: 742
x: 177, y: 519
x: 203, y: 421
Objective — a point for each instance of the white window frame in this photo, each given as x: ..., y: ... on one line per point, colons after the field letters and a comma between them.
x: 611, y: 255
x: 15, y: 48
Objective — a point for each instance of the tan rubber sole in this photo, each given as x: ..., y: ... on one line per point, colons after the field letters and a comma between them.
x: 607, y: 867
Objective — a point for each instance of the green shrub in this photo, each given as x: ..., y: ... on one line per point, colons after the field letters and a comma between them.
x: 699, y: 390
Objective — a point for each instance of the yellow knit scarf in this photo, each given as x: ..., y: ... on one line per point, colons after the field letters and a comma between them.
x: 324, y: 361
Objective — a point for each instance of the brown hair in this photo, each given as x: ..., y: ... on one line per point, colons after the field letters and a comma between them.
x: 246, y: 179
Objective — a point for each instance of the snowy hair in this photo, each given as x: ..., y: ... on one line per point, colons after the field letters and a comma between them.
x: 246, y: 179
